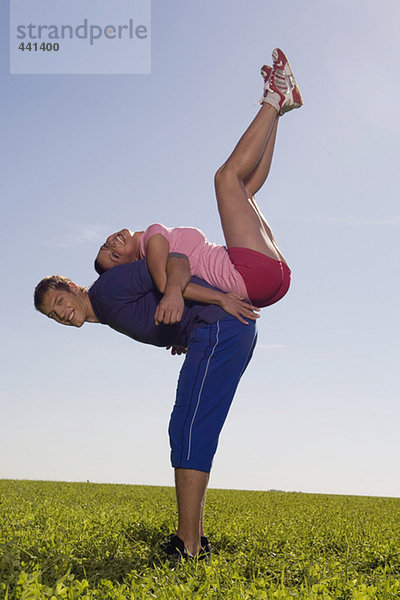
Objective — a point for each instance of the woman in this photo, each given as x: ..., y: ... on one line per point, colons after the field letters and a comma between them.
x: 251, y: 265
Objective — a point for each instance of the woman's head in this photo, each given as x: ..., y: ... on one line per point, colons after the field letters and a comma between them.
x: 119, y: 248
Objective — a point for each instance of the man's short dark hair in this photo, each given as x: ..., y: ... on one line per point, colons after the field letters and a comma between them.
x: 98, y: 267
x: 53, y: 282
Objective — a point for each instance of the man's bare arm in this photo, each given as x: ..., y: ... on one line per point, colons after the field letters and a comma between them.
x: 178, y: 287
x: 170, y: 308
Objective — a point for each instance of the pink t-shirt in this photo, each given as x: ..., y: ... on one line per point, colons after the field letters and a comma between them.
x: 207, y: 260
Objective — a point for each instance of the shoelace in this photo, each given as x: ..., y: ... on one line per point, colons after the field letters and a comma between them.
x: 280, y: 83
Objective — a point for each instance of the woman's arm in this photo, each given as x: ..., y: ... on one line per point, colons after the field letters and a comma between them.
x: 232, y: 303
x: 157, y: 250
x: 171, y: 306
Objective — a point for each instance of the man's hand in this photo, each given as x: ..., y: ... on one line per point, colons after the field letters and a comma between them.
x: 170, y: 308
x: 235, y: 305
x: 177, y: 350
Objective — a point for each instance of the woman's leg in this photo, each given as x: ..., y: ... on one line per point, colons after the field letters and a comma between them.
x: 249, y: 163
x: 248, y: 166
x: 256, y: 179
x: 267, y: 229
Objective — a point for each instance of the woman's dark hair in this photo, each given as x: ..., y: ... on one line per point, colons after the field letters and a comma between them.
x: 98, y: 268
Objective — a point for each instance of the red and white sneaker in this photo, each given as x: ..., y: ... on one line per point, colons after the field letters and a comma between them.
x: 280, y: 88
x: 266, y: 71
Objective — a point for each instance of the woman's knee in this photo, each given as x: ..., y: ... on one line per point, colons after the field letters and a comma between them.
x: 224, y: 176
x: 218, y: 174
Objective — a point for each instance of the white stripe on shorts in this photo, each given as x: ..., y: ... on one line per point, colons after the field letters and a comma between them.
x: 201, y: 389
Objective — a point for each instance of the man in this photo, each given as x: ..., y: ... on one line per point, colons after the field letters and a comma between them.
x: 219, y: 345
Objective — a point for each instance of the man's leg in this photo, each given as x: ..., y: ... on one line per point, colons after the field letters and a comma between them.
x: 190, y: 493
x: 203, y: 502
x: 217, y: 357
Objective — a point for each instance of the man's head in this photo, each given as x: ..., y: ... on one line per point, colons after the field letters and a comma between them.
x: 62, y: 300
x: 119, y: 248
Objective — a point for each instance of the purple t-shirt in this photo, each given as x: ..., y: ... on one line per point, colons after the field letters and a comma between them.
x: 126, y: 298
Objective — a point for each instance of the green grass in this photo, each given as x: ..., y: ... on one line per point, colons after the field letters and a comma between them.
x: 90, y: 541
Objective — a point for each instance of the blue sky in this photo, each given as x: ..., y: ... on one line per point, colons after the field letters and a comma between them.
x: 84, y: 155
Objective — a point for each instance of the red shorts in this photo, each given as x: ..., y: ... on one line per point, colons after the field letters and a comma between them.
x: 267, y: 280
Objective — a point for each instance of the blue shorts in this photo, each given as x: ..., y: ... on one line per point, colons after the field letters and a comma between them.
x: 217, y: 357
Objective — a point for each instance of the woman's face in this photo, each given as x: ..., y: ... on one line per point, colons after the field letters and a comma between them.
x: 119, y: 248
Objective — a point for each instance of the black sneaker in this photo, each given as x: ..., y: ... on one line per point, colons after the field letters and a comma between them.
x: 205, y: 544
x: 175, y: 547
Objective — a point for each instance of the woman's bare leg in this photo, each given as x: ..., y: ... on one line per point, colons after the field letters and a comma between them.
x: 250, y: 161
x: 267, y: 229
x: 256, y: 179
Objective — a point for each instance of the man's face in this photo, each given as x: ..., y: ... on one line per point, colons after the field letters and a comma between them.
x: 119, y: 248
x: 67, y: 308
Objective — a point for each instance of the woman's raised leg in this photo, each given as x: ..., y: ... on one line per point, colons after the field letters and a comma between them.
x: 248, y: 166
x: 241, y: 223
x: 256, y: 179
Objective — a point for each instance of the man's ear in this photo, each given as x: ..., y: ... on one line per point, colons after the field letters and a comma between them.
x: 73, y: 288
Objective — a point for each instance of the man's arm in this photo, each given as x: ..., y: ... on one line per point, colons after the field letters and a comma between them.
x: 177, y: 275
x: 171, y: 274
x: 157, y: 252
x: 178, y: 287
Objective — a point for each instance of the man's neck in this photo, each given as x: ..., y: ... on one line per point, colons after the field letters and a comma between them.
x: 90, y: 314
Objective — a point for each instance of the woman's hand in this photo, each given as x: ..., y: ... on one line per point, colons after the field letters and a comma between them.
x: 170, y: 308
x: 237, y: 307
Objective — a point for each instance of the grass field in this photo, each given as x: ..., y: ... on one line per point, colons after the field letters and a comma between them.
x: 91, y: 541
